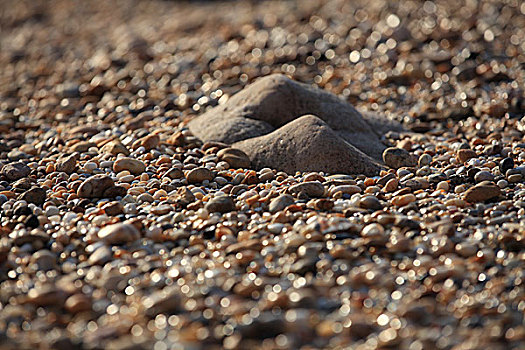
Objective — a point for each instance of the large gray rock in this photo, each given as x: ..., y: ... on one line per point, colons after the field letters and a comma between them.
x: 307, y: 144
x: 272, y: 102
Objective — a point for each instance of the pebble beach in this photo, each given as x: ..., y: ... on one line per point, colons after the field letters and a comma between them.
x: 262, y: 175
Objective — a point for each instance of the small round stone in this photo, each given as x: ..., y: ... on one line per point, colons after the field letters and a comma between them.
x: 506, y: 164
x: 483, y: 176
x: 443, y: 185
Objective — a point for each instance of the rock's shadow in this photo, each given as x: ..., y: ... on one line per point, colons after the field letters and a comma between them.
x: 268, y: 121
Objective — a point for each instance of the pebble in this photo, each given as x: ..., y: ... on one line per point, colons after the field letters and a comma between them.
x: 482, y: 192
x: 234, y: 157
x: 36, y: 195
x: 199, y: 175
x: 346, y: 189
x: 443, y: 185
x: 15, y: 171
x: 403, y: 200
x: 96, y: 186
x: 134, y: 166
x: 425, y: 159
x: 115, y: 148
x: 221, y: 204
x: 100, y: 256
x: 483, y: 176
x: 281, y: 202
x: 370, y: 202
x: 67, y: 164
x: 506, y: 164
x: 310, y: 188
x: 119, y: 233
x: 398, y: 157
x: 515, y: 178
x: 391, y: 185
x: 464, y: 155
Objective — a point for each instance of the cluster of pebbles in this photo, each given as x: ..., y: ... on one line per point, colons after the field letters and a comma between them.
x: 122, y: 226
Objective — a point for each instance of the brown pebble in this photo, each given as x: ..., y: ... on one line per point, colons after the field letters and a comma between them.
x: 119, y: 233
x: 198, y: 175
x: 481, y: 192
x: 134, y: 166
x: 465, y: 154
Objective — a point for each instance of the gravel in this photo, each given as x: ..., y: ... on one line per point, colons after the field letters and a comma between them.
x: 120, y: 228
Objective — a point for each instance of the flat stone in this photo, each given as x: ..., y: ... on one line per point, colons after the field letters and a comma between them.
x: 482, y: 192
x: 15, y: 171
x: 310, y: 188
x: 398, y: 157
x: 307, y: 144
x: 198, y: 175
x: 221, y: 204
x: 275, y: 100
x: 36, y: 195
x: 281, y: 202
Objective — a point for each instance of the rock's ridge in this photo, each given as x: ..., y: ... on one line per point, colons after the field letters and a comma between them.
x: 309, y: 144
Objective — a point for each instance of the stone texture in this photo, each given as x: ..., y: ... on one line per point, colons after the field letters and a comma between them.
x: 310, y: 188
x: 307, y: 144
x: 95, y: 186
x: 134, y: 166
x: 68, y: 163
x: 36, y: 195
x: 398, y: 157
x: 15, y: 171
x: 221, y: 204
x: 198, y: 175
x: 276, y: 100
x: 235, y: 157
x: 482, y: 192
